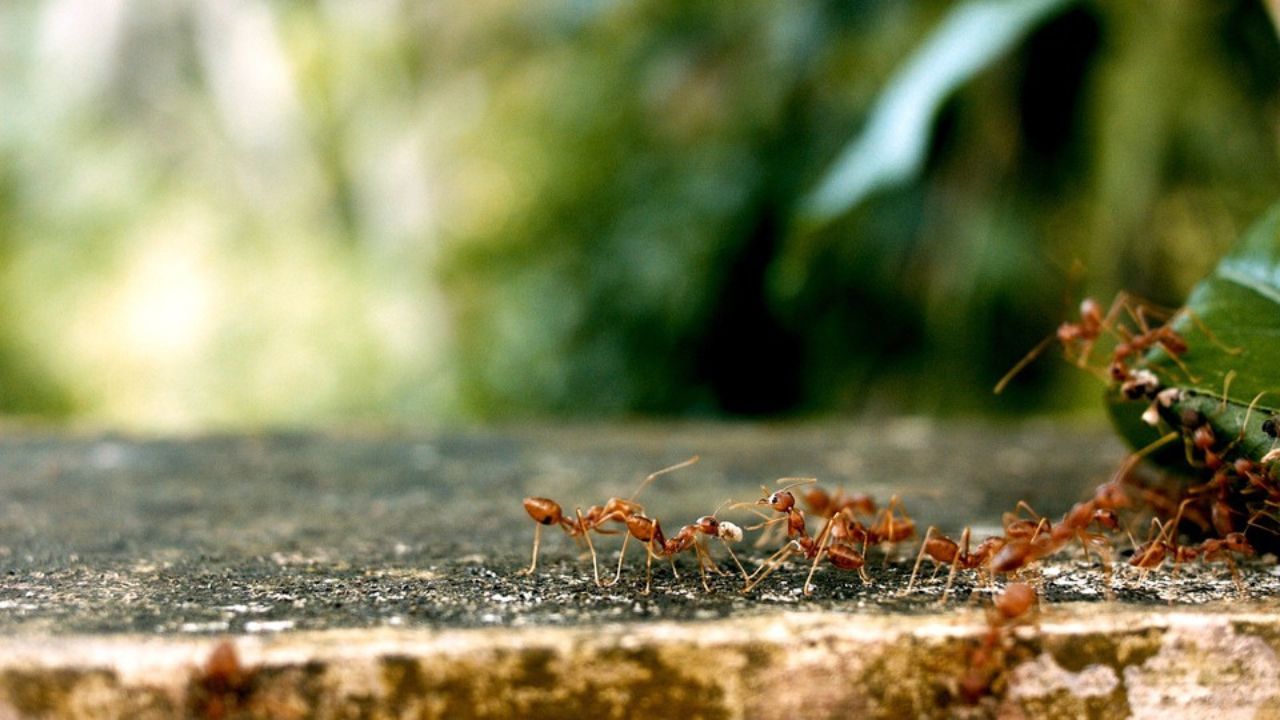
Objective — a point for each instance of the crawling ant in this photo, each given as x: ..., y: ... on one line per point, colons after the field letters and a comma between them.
x: 649, y: 531
x: 222, y: 686
x: 988, y: 658
x: 1075, y: 337
x: 834, y: 541
x: 945, y: 551
x: 824, y: 504
x: 548, y: 512
x: 1163, y: 544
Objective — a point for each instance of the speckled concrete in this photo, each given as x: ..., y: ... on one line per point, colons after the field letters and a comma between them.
x: 374, y: 576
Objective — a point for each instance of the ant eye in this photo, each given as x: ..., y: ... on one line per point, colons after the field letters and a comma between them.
x: 773, y: 499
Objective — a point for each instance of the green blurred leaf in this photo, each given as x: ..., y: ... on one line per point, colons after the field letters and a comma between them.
x: 891, y: 149
x: 1239, y: 303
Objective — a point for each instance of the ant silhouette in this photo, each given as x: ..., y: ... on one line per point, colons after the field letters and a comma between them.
x: 546, y: 512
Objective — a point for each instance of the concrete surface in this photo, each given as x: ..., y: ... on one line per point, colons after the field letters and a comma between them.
x: 374, y: 576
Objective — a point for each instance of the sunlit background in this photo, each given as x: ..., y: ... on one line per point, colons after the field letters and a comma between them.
x: 246, y: 214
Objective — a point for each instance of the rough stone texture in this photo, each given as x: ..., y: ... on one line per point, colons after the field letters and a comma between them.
x: 374, y: 576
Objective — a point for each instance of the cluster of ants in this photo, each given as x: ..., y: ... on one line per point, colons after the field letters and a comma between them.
x: 844, y: 539
x: 1218, y: 507
x: 1235, y: 493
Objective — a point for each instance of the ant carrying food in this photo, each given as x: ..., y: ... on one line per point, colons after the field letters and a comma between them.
x: 649, y: 531
x: 546, y: 512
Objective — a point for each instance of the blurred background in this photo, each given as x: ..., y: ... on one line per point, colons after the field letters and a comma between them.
x: 390, y: 212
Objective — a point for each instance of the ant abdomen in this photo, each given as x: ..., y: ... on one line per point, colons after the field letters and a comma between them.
x: 845, y: 557
x: 543, y: 510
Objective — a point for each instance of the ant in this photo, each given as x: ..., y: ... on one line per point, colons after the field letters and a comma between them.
x: 945, y: 551
x: 548, y: 512
x: 649, y: 531
x: 1152, y: 553
x: 835, y: 541
x: 824, y: 504
x: 987, y: 659
x: 1081, y: 336
x: 792, y: 519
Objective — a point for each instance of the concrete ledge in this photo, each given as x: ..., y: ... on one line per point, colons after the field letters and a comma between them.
x: 1083, y: 660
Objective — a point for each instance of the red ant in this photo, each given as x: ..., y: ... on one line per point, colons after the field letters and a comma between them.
x: 649, y: 531
x: 988, y: 658
x: 833, y: 542
x: 828, y: 505
x: 1078, y: 335
x: 945, y: 551
x: 548, y: 512
x: 1152, y: 553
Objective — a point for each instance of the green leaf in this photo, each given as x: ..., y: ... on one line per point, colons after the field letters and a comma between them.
x: 1232, y: 326
x: 891, y: 148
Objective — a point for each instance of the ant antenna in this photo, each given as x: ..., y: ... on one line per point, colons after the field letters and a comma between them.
x: 1023, y: 363
x: 1226, y: 389
x: 1133, y: 458
x: 797, y: 483
x: 721, y: 507
x: 1252, y: 404
x: 663, y: 471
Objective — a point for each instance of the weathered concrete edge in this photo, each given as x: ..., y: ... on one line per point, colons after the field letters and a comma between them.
x: 1079, y: 660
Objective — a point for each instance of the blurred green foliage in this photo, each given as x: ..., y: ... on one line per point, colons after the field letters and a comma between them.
x: 245, y: 213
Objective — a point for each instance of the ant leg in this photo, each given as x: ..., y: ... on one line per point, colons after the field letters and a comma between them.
x: 785, y: 553
x: 537, y: 538
x: 770, y: 560
x: 955, y: 565
x: 1084, y: 545
x: 1022, y: 364
x: 674, y: 572
x: 919, y: 559
x: 712, y: 566
x: 595, y: 567
x: 823, y: 538
x: 621, y: 554
x: 808, y: 581
x: 648, y: 567
x: 1235, y: 573
x: 737, y: 562
x: 1105, y: 553
x: 1024, y: 505
x: 1195, y: 319
x: 702, y: 570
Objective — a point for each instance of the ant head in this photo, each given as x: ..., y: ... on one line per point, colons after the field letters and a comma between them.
x: 1106, y: 519
x: 1140, y: 383
x: 708, y: 525
x: 1090, y: 309
x: 1203, y: 437
x: 782, y: 501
